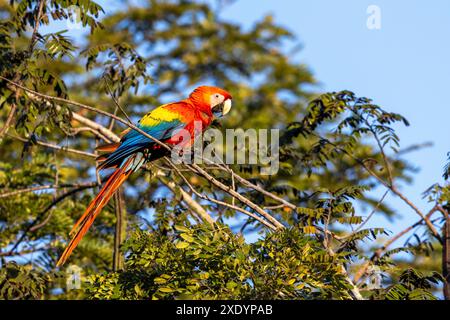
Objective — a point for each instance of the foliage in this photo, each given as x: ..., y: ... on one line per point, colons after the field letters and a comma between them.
x: 204, y: 263
x: 414, y: 286
x: 22, y: 282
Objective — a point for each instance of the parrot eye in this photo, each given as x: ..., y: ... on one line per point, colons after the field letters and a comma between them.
x: 216, y: 95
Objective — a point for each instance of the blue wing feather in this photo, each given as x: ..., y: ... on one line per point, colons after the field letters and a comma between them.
x: 134, y: 141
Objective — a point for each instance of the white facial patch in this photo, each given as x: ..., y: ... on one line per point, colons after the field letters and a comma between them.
x: 216, y: 99
x: 226, y: 106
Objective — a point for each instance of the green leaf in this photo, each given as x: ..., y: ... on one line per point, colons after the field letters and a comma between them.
x: 187, y: 237
x: 181, y: 228
x: 182, y: 245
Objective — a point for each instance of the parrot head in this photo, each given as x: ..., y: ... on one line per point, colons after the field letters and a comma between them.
x: 212, y: 100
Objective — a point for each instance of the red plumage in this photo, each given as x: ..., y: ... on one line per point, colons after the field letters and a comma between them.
x: 135, y: 149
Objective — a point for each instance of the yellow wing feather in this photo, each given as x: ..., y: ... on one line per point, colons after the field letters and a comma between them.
x: 154, y: 117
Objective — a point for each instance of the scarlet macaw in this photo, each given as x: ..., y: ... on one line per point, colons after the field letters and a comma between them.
x: 135, y: 149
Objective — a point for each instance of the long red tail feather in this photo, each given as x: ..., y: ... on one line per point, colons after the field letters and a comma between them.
x: 85, y: 221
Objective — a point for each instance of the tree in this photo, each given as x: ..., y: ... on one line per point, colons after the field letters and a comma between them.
x: 186, y: 225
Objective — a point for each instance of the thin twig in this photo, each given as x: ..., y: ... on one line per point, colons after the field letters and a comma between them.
x: 8, y: 121
x: 369, y: 216
x: 45, y: 187
x: 388, y: 243
x: 97, y: 134
x: 116, y: 102
x: 425, y: 218
x: 21, y: 253
x: 55, y: 147
x: 37, y: 21
x: 383, y: 154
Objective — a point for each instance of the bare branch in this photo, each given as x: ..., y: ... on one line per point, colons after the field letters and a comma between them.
x: 380, y: 251
x: 45, y: 187
x: 369, y: 216
x: 116, y: 102
x: 120, y: 230
x: 37, y: 21
x: 56, y: 147
x: 8, y: 121
x: 425, y: 218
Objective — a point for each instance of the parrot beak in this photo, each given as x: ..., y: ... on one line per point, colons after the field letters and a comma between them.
x: 222, y: 108
x: 226, y: 106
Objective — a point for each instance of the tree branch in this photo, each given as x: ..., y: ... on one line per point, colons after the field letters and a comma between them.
x: 380, y: 251
x: 45, y: 187
x: 120, y: 230
x: 56, y: 147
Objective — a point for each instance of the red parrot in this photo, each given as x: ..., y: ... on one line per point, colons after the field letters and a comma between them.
x: 134, y: 149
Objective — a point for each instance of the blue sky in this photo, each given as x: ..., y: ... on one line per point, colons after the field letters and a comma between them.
x: 404, y: 67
